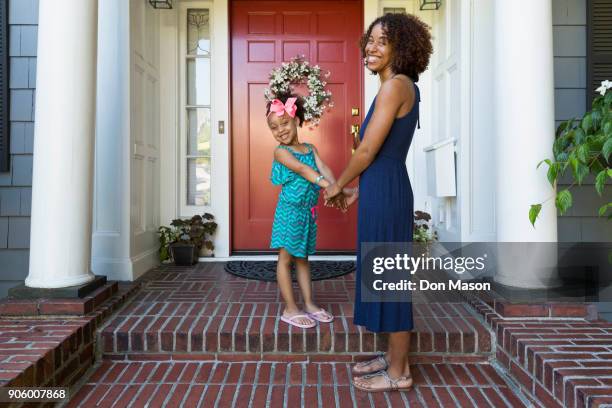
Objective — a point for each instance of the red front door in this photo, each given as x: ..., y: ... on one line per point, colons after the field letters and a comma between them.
x: 265, y: 34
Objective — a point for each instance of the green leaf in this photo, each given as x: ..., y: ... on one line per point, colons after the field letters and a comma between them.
x: 561, y: 128
x: 563, y: 157
x: 581, y: 172
x: 603, y: 209
x: 582, y: 152
x: 610, y: 173
x: 587, y: 123
x: 606, y: 150
x: 579, y: 136
x: 563, y: 201
x: 596, y: 116
x: 600, y: 181
x: 552, y: 173
x: 595, y: 144
x: 534, y: 211
x: 547, y: 161
x: 596, y: 167
x: 573, y: 161
x: 608, y: 97
x: 607, y: 128
x: 557, y: 148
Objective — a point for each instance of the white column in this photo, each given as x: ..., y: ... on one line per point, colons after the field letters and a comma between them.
x: 60, y: 245
x: 524, y: 117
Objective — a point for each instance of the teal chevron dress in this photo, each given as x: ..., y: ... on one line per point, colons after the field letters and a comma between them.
x: 295, y: 227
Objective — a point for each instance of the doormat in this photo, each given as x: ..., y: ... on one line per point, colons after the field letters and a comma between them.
x: 266, y: 270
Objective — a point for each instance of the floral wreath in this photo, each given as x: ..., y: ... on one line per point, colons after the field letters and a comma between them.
x: 297, y: 72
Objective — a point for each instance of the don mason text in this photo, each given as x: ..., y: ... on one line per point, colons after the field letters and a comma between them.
x: 423, y: 284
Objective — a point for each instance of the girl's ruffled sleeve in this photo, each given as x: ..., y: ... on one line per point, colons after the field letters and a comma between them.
x: 280, y: 174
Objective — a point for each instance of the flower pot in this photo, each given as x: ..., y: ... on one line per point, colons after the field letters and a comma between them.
x: 184, y: 254
x: 206, y: 253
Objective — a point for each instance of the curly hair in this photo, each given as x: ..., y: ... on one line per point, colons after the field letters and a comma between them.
x: 299, y: 103
x: 410, y: 39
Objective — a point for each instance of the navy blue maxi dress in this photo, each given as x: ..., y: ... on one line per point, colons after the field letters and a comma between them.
x: 385, y: 214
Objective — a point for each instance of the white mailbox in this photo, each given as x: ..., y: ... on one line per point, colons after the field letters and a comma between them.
x: 440, y: 158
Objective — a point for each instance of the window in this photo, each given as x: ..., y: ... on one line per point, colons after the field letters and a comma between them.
x: 4, y: 87
x: 599, y: 46
x: 387, y: 10
x: 197, y: 156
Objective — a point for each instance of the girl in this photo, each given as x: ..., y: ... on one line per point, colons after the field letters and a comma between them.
x: 301, y: 172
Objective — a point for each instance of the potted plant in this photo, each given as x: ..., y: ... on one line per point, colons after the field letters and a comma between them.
x: 422, y: 231
x: 585, y: 146
x: 185, y: 238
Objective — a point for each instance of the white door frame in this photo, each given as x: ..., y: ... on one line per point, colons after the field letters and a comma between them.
x: 172, y: 117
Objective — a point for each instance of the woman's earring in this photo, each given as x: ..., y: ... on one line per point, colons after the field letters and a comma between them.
x: 365, y: 61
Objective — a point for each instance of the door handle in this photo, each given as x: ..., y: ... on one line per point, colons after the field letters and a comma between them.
x: 355, y: 133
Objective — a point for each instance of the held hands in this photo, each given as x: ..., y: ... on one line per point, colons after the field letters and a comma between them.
x: 340, y: 198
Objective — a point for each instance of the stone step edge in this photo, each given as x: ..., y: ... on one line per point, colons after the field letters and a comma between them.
x: 57, y: 307
x: 431, y: 358
x: 479, y: 342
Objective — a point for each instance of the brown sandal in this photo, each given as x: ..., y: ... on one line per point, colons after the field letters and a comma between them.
x: 392, y: 384
x: 384, y: 364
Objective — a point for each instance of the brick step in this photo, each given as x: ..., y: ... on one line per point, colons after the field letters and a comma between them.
x: 59, y: 306
x: 443, y: 331
x: 54, y: 350
x: 561, y: 363
x: 289, y: 384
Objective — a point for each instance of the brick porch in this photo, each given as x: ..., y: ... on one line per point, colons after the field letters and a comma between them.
x: 200, y: 335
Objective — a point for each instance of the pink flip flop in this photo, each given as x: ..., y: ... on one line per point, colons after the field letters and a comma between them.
x: 291, y: 321
x: 321, y: 312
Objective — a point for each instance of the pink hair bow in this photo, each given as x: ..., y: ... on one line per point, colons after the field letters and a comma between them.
x: 279, y: 108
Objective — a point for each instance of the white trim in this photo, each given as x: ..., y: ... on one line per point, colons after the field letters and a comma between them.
x: 477, y: 180
x: 168, y: 115
x: 464, y: 149
x: 112, y: 194
x: 113, y: 268
x: 173, y: 119
x: 190, y: 210
x: 144, y: 262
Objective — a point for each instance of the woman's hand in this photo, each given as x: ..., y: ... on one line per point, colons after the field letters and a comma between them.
x: 352, y: 194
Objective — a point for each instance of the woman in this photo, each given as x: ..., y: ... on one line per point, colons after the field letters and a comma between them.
x: 396, y: 47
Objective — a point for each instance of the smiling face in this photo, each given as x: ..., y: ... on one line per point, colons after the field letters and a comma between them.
x: 283, y: 128
x: 378, y: 51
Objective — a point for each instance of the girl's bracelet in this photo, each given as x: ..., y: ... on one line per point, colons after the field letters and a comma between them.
x: 319, y: 179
